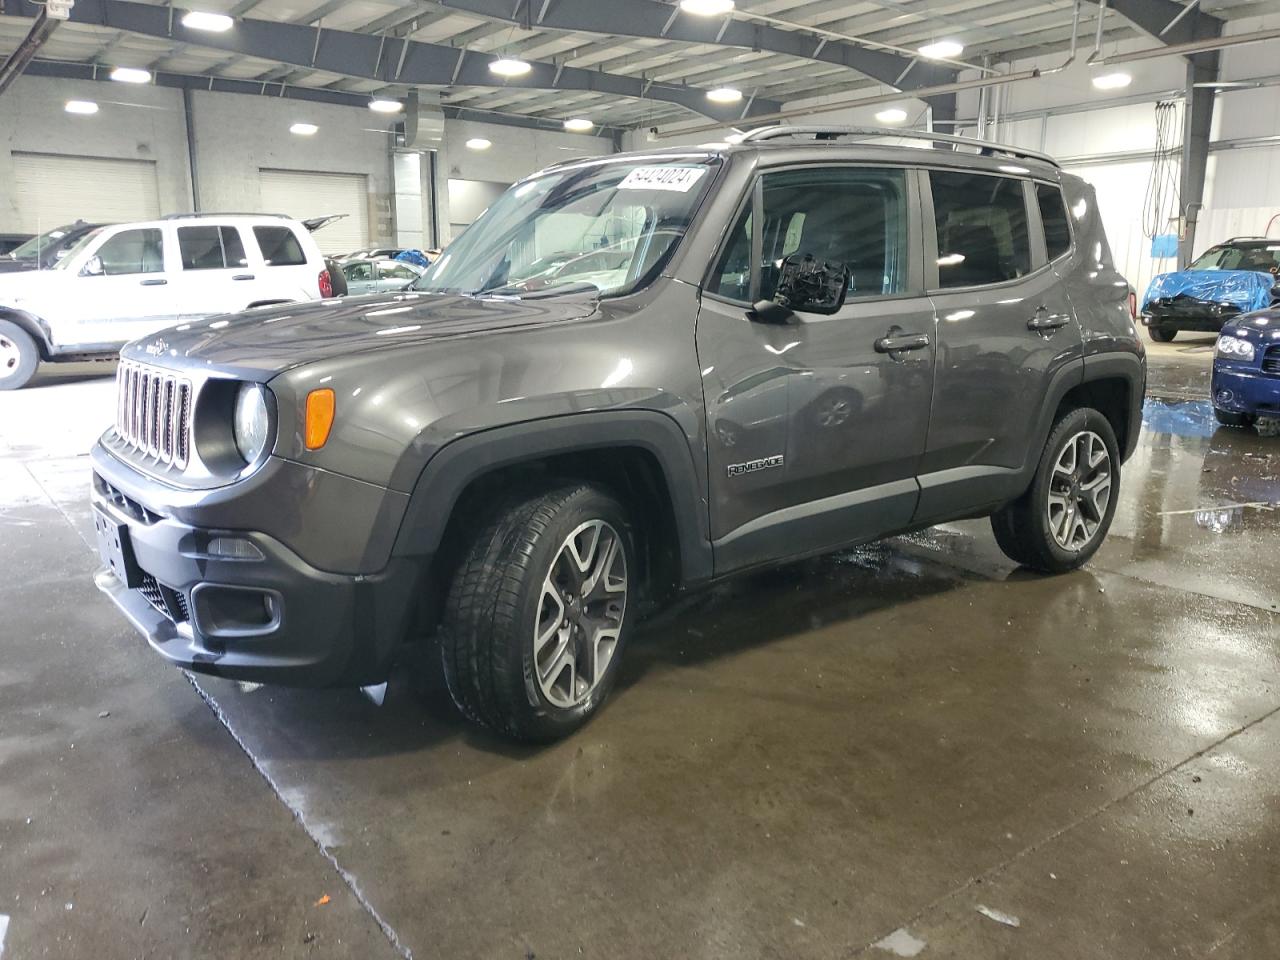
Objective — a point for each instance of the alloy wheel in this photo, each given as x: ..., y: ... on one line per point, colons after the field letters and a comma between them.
x: 1079, y: 491
x: 580, y: 613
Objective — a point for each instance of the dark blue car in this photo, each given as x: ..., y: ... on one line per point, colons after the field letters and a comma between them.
x: 1224, y: 282
x: 1246, y: 370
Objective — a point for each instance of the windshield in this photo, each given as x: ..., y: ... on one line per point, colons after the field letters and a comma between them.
x: 37, y: 245
x: 1263, y: 258
x: 608, y: 228
x: 70, y: 255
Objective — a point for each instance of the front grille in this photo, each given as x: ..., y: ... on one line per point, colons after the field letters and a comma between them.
x: 1271, y: 360
x: 153, y: 412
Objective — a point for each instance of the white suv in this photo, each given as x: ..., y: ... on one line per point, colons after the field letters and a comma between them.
x: 129, y: 280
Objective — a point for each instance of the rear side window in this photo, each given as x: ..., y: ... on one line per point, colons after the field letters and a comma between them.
x: 982, y: 228
x: 210, y: 248
x: 358, y: 271
x: 280, y: 248
x: 133, y: 251
x: 1053, y: 214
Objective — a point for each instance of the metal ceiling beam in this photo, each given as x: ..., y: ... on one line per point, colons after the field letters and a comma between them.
x: 407, y: 62
x: 1155, y: 16
x: 657, y: 20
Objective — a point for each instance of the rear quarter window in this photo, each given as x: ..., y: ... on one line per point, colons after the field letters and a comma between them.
x: 280, y: 247
x: 1053, y: 214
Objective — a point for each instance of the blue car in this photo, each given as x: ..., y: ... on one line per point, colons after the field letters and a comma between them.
x: 1246, y: 371
x: 1226, y: 281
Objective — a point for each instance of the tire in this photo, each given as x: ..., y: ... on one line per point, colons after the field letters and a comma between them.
x: 1162, y: 334
x: 1024, y: 529
x: 19, y: 356
x: 516, y: 572
x: 1229, y: 419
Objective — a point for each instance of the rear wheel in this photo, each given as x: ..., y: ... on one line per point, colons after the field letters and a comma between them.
x: 19, y: 356
x: 1162, y: 334
x: 1064, y: 516
x: 1229, y: 419
x: 538, y: 613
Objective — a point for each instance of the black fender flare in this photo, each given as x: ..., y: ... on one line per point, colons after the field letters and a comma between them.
x: 31, y: 324
x: 1132, y: 368
x: 455, y: 465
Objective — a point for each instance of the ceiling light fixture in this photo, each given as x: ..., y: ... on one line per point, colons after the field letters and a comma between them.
x: 578, y: 125
x: 892, y: 115
x: 303, y: 129
x: 509, y: 67
x: 212, y: 22
x: 479, y: 143
x: 130, y: 75
x: 941, y: 50
x: 1112, y: 81
x: 724, y: 95
x: 83, y: 107
x: 707, y: 8
x: 378, y: 105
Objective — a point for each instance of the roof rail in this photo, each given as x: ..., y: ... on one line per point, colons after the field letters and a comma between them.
x: 1252, y: 236
x: 220, y: 213
x: 984, y: 147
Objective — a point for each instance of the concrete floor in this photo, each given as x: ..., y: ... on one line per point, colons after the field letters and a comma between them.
x: 846, y: 757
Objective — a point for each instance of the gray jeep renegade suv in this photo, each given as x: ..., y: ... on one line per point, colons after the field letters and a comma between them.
x: 632, y: 375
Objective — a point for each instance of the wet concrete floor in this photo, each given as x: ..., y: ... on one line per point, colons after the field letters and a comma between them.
x: 845, y: 757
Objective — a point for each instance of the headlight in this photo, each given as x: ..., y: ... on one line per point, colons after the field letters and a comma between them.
x: 1233, y: 348
x: 251, y: 423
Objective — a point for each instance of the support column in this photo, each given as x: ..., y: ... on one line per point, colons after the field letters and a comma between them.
x: 1197, y: 124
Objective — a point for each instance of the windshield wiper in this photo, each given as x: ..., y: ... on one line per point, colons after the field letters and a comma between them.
x: 554, y: 290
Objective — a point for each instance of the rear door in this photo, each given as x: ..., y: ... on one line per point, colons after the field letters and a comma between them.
x: 360, y: 277
x: 815, y: 430
x: 215, y: 275
x: 1005, y: 332
x: 288, y: 271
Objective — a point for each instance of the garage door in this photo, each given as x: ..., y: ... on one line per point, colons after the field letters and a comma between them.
x: 54, y: 189
x: 300, y: 194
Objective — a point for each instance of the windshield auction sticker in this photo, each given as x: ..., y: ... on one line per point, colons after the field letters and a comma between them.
x: 678, y: 179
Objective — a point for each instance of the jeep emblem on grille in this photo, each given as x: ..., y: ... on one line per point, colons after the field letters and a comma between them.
x: 157, y: 348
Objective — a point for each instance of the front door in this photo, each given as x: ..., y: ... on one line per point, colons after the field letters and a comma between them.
x: 816, y: 425
x: 122, y: 292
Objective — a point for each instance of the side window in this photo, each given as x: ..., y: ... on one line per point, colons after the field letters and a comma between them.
x: 280, y: 248
x: 732, y: 276
x: 210, y: 248
x: 358, y: 271
x: 396, y: 271
x: 1053, y: 214
x: 982, y: 228
x: 851, y: 215
x: 133, y: 251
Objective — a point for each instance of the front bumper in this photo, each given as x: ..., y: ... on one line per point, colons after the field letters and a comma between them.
x: 1205, y: 318
x: 241, y: 604
x: 1237, y: 388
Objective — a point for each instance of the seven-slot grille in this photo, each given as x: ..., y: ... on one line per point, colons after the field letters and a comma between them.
x: 153, y: 412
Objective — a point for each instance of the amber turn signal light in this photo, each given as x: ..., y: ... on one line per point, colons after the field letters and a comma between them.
x: 320, y: 407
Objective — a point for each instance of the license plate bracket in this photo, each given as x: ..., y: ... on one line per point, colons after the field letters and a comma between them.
x: 116, y: 549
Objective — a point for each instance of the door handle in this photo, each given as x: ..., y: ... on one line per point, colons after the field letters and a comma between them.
x: 243, y: 276
x: 1046, y: 321
x: 153, y: 283
x: 901, y: 342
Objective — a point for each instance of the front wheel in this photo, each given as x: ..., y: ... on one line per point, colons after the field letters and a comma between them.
x: 19, y: 356
x: 1229, y: 419
x: 1064, y: 516
x: 1162, y: 334
x: 538, y: 613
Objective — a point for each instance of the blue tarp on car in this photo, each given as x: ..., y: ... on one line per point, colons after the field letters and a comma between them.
x: 1246, y: 289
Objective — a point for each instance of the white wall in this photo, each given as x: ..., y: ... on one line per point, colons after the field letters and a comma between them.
x: 132, y: 123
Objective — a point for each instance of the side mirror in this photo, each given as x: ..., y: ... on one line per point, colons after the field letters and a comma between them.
x: 770, y: 311
x: 92, y: 268
x: 809, y: 285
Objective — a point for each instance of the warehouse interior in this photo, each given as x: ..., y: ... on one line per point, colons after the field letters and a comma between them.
x: 911, y: 747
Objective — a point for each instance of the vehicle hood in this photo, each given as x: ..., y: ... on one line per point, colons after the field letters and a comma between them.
x: 25, y: 284
x: 1261, y: 327
x: 1246, y: 289
x: 270, y: 340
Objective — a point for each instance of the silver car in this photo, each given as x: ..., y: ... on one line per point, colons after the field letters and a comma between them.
x: 378, y: 276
